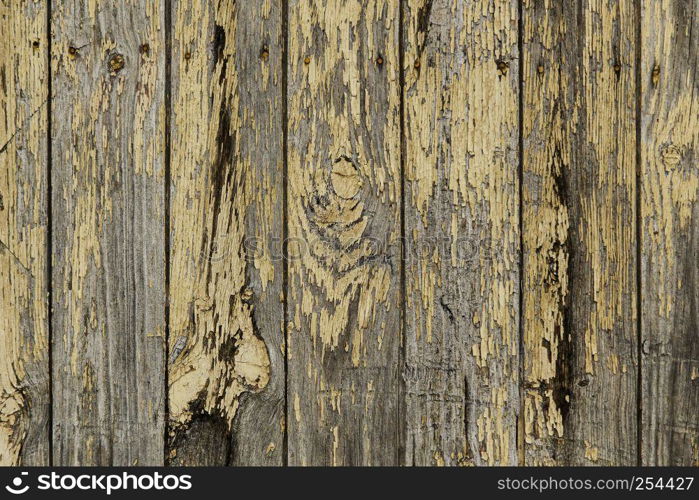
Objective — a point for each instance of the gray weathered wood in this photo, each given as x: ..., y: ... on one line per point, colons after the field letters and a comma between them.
x: 609, y: 100
x: 462, y: 235
x: 670, y: 231
x: 344, y: 327
x: 108, y: 187
x: 226, y: 354
x: 24, y: 369
x: 579, y: 233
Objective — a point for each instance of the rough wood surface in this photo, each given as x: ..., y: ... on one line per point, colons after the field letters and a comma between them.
x: 108, y: 232
x: 579, y: 233
x: 349, y: 232
x: 670, y: 232
x: 24, y: 369
x: 226, y: 354
x: 462, y: 234
x: 344, y: 326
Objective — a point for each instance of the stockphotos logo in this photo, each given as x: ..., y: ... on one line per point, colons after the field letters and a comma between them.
x: 106, y: 483
x: 16, y: 487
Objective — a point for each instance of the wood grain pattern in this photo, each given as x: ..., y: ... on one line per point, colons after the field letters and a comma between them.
x: 579, y: 239
x: 349, y: 232
x: 226, y: 361
x: 462, y: 235
x: 108, y: 232
x: 670, y: 232
x: 344, y: 293
x: 24, y: 369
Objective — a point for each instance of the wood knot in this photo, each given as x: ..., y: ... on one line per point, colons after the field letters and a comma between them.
x: 116, y: 63
x: 502, y: 66
x: 264, y: 53
x: 617, y: 69
x: 379, y: 60
x: 345, y: 179
x: 187, y: 56
x: 417, y: 64
x: 306, y: 60
x: 72, y: 51
x: 144, y: 49
x: 540, y: 69
x: 671, y: 156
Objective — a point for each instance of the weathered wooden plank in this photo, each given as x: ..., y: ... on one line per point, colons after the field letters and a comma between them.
x: 24, y: 370
x: 670, y: 232
x: 108, y: 235
x: 344, y: 226
x: 462, y: 232
x: 579, y: 237
x: 226, y: 358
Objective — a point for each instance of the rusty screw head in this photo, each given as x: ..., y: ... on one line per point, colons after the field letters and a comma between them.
x: 306, y: 60
x: 187, y: 56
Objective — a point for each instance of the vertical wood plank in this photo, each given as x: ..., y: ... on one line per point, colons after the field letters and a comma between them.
x: 579, y: 237
x: 344, y: 227
x: 108, y: 208
x: 24, y: 370
x: 226, y: 358
x: 670, y: 232
x: 462, y: 231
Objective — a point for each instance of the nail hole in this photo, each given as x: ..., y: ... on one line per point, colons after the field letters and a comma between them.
x: 116, y: 63
x: 655, y: 75
x: 503, y: 67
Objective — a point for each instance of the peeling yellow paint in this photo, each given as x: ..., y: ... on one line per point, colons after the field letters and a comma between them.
x: 344, y: 228
x: 591, y: 452
x: 669, y: 147
x: 23, y: 304
x: 580, y: 186
x: 216, y: 352
x: 461, y: 186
